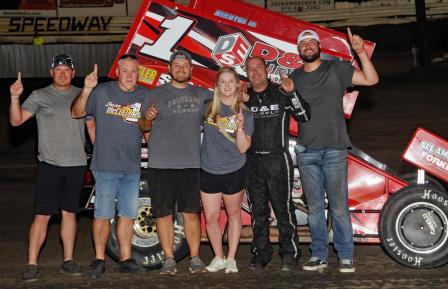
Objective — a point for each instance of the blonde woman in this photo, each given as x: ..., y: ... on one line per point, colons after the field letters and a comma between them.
x: 228, y: 127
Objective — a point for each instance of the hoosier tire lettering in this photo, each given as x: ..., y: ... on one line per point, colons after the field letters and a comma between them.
x: 414, y: 260
x: 414, y: 227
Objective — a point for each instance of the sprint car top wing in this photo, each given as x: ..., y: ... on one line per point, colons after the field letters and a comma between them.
x: 224, y: 33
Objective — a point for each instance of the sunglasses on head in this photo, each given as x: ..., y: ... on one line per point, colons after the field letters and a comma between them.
x: 63, y: 60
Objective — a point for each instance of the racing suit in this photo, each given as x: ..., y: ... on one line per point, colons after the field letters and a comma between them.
x: 270, y: 166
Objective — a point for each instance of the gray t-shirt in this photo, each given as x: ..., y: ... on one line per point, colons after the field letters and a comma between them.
x: 118, y: 137
x: 176, y: 132
x: 60, y: 137
x: 219, y: 154
x: 323, y: 89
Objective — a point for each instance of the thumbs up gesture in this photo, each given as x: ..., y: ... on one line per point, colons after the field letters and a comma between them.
x: 91, y: 79
x: 16, y: 89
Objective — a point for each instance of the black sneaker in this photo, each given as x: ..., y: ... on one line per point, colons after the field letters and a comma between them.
x: 314, y: 263
x: 70, y: 268
x: 346, y: 266
x: 130, y: 266
x: 289, y: 263
x: 30, y: 273
x: 258, y: 261
x: 97, y: 268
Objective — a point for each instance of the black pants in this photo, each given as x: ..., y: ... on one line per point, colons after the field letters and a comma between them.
x: 270, y: 179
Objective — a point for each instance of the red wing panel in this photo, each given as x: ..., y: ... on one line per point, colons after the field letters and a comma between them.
x: 429, y: 152
x: 284, y: 27
x: 162, y: 27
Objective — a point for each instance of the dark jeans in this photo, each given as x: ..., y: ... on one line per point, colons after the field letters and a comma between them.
x: 325, y: 171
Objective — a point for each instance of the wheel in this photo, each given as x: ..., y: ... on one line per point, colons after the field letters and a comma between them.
x: 411, y: 178
x: 146, y: 248
x: 413, y: 227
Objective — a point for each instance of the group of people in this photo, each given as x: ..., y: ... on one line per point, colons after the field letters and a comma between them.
x: 244, y: 146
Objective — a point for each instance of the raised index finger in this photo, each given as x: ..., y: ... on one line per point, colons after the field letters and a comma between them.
x: 349, y: 32
x: 19, y: 76
x: 95, y: 68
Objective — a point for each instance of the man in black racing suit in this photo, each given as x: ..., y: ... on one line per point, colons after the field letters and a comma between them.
x: 270, y: 166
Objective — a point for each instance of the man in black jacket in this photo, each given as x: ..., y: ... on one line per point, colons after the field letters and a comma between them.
x: 270, y: 165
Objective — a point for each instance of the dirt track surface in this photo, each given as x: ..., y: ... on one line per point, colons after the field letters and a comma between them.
x: 383, y: 121
x: 374, y: 268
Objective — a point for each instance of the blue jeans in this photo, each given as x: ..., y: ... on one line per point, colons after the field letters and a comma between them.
x: 122, y: 188
x: 325, y: 171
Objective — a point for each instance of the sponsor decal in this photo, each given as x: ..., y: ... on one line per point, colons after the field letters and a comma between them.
x: 232, y: 17
x: 429, y: 194
x: 231, y: 50
x: 429, y: 152
x: 129, y: 113
x: 429, y: 219
x: 413, y: 260
x: 265, y: 110
x: 225, y: 124
x: 147, y: 75
x: 435, y: 155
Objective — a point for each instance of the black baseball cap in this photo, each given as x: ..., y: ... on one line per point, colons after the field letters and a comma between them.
x: 180, y: 54
x: 63, y: 59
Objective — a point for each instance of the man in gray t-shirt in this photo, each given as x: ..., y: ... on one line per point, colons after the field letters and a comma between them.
x: 61, y: 156
x: 174, y: 121
x: 323, y: 142
x: 175, y: 134
x: 116, y: 107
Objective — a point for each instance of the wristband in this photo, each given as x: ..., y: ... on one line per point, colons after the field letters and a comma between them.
x: 14, y: 97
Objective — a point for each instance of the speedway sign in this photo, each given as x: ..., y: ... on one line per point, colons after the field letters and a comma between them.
x: 217, y: 35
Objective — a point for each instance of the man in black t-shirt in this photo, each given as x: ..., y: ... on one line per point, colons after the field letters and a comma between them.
x: 323, y: 141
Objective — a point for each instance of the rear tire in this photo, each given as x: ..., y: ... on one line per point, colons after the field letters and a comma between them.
x: 146, y: 248
x: 414, y: 227
x: 411, y: 178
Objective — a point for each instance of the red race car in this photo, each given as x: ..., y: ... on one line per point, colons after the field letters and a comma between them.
x: 407, y: 214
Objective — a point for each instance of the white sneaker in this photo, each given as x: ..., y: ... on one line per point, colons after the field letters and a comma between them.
x: 231, y: 266
x: 216, y: 264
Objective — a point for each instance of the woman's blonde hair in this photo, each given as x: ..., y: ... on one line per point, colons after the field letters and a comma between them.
x: 215, y: 106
